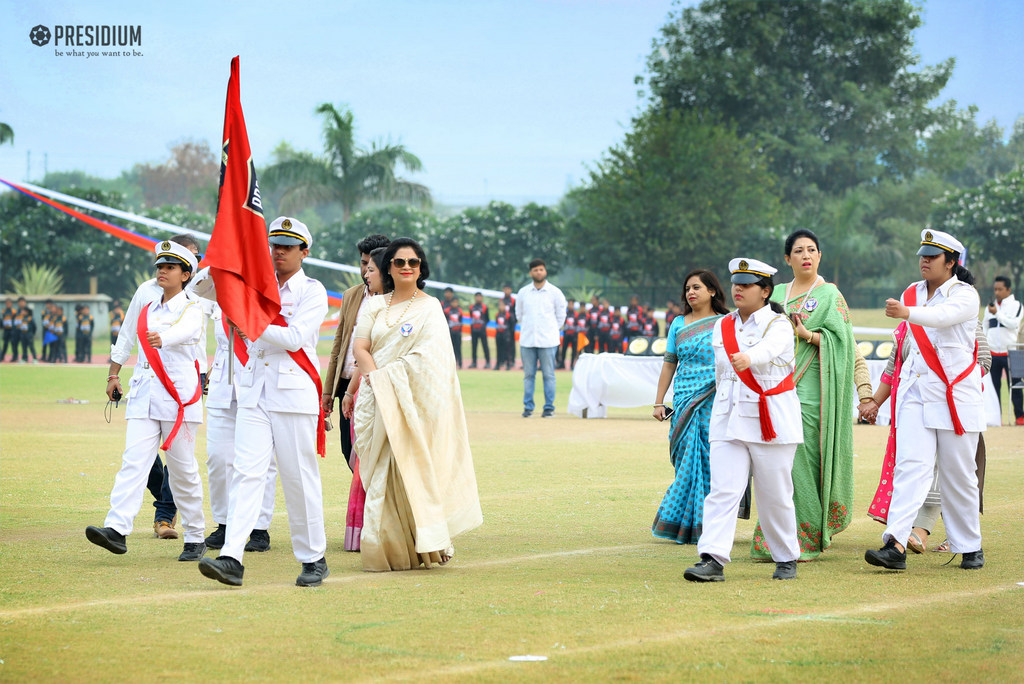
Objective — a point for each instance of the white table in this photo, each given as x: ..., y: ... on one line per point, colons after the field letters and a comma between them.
x: 603, y: 380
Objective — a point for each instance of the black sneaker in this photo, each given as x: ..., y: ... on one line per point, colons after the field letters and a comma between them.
x: 107, y: 537
x: 887, y: 557
x: 193, y: 551
x: 527, y: 413
x: 785, y: 570
x: 313, y: 574
x: 259, y: 541
x: 972, y: 560
x: 706, y: 570
x: 216, y: 540
x: 224, y: 569
x: 547, y: 413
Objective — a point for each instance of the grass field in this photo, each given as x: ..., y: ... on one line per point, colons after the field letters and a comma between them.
x: 564, y: 567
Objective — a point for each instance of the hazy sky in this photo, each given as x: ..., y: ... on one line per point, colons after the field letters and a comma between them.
x: 501, y: 99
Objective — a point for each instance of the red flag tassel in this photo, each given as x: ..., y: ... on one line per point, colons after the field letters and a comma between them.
x: 958, y: 427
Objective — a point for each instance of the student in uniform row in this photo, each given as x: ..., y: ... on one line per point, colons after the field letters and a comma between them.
x: 939, y: 409
x: 755, y: 425
x: 164, y: 409
x: 479, y: 317
x: 280, y: 418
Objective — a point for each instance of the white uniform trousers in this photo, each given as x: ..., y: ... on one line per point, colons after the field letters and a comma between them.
x: 771, y: 465
x: 260, y: 436
x: 920, y: 451
x: 142, y: 439
x: 220, y: 459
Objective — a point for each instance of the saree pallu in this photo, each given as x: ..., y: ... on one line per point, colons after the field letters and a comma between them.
x: 823, y: 464
x: 681, y: 513
x: 411, y: 437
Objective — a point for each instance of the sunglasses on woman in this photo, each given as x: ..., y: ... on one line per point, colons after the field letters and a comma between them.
x: 413, y: 263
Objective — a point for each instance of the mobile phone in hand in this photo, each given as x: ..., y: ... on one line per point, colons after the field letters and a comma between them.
x: 668, y: 412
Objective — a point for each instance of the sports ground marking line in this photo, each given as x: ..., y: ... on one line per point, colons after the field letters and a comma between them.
x: 268, y: 588
x: 646, y: 640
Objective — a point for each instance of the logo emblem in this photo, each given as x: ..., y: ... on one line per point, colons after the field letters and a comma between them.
x: 744, y: 265
x: 811, y: 304
x: 406, y: 329
x: 928, y: 236
x: 165, y: 246
x: 39, y: 35
x: 286, y: 224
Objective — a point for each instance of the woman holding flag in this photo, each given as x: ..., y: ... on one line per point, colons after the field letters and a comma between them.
x: 163, y: 404
x: 755, y: 425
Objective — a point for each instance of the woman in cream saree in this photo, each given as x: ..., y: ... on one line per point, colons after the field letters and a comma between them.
x: 410, y: 425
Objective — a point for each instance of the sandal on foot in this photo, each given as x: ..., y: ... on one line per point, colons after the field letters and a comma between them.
x: 943, y: 547
x: 915, y: 543
x: 446, y: 555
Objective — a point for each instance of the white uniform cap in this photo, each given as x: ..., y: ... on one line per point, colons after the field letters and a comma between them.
x: 289, y: 231
x: 935, y: 242
x: 168, y: 252
x: 747, y: 271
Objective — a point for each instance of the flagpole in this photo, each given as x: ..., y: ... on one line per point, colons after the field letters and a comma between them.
x: 231, y: 355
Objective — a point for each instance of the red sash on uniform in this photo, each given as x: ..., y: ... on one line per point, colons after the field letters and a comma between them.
x: 932, y: 359
x: 305, y: 364
x: 731, y: 347
x: 157, y: 364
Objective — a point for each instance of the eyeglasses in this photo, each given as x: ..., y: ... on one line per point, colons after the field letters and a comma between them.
x: 413, y: 263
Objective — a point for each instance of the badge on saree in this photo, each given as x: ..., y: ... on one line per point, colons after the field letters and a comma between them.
x: 406, y: 329
x: 811, y: 304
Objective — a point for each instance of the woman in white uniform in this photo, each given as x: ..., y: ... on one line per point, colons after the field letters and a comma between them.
x: 939, y: 411
x: 164, y: 408
x: 755, y: 425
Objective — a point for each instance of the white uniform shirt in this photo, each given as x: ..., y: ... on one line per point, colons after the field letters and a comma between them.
x: 221, y: 392
x: 179, y: 323
x: 950, y: 320
x: 270, y: 368
x: 147, y: 292
x: 767, y: 338
x: 1001, y: 327
x: 541, y: 313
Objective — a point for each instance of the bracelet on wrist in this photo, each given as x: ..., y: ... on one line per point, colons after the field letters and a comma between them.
x: 349, y: 394
x: 113, y: 377
x: 657, y: 405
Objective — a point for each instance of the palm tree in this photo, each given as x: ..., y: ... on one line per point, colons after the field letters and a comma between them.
x: 6, y: 134
x: 344, y: 174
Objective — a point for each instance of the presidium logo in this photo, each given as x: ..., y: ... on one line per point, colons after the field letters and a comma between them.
x: 106, y: 40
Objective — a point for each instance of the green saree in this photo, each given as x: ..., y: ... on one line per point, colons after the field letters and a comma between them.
x: 823, y: 465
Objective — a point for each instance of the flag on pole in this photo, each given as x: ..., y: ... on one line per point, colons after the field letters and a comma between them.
x: 238, y: 253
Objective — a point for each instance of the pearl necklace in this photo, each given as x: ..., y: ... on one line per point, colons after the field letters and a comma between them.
x: 387, y: 309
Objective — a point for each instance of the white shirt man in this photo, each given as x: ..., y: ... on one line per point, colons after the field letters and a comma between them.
x: 1002, y: 321
x: 540, y: 310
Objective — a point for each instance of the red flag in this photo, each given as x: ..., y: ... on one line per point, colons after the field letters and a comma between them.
x: 238, y: 254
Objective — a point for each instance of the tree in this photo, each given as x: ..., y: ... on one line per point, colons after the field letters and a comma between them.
x: 189, y: 178
x: 678, y: 193
x: 345, y: 174
x: 6, y: 134
x: 988, y: 221
x: 826, y: 87
x: 489, y: 246
x: 967, y: 155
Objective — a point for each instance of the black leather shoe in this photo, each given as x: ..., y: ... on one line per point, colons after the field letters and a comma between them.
x: 313, y: 574
x: 527, y: 413
x: 259, y: 541
x: 547, y: 413
x: 224, y: 569
x: 216, y: 540
x: 706, y: 570
x: 972, y: 560
x: 887, y: 557
x: 193, y: 551
x: 107, y: 537
x: 785, y: 570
